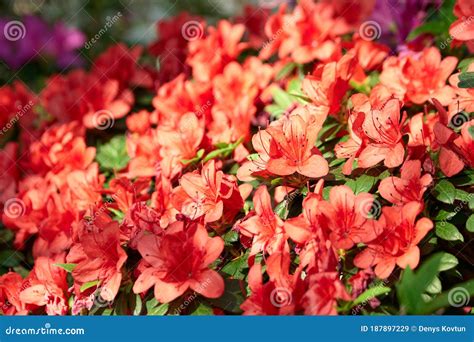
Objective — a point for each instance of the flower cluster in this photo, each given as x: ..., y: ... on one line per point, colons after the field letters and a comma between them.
x: 275, y: 164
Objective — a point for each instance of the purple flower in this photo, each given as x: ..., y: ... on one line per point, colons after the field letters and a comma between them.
x: 31, y: 37
x: 397, y: 18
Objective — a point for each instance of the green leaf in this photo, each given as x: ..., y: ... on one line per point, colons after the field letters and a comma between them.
x: 464, y: 64
x: 447, y: 262
x: 223, y: 150
x: 447, y: 231
x: 137, y: 305
x: 285, y: 71
x: 282, y: 98
x: 235, y: 267
x: 10, y: 258
x: 89, y: 284
x: 470, y: 224
x: 461, y: 291
x: 445, y: 192
x: 113, y: 155
x: 154, y: 308
x: 435, y: 287
x: 412, y: 286
x: 466, y: 80
x: 197, y: 158
x: 371, y: 293
x: 202, y: 310
x: 67, y: 267
x: 282, y: 210
x: 232, y: 297
x: 363, y: 183
x: 230, y: 237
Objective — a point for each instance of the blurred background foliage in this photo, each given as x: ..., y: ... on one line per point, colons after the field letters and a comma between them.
x: 137, y: 24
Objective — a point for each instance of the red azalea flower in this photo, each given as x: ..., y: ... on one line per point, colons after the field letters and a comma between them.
x: 179, y: 260
x: 209, y: 56
x: 419, y: 78
x: 410, y: 187
x: 397, y: 244
x: 46, y: 286
x: 348, y: 217
x: 9, y: 171
x: 210, y: 193
x: 121, y: 64
x: 85, y: 98
x: 265, y: 227
x: 292, y: 148
x: 329, y: 83
x: 98, y: 255
x: 323, y: 292
x: 463, y: 28
x: 10, y: 286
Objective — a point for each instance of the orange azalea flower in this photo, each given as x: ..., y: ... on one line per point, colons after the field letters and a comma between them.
x: 419, y: 78
x: 465, y: 96
x: 210, y: 193
x: 9, y: 171
x: 181, y: 142
x: 171, y: 47
x: 410, y: 187
x: 235, y: 91
x: 60, y: 150
x: 376, y: 135
x: 81, y: 96
x: 98, y: 255
x: 292, y: 148
x: 311, y: 230
x: 208, y: 56
x: 369, y: 54
x: 383, y: 130
x: 46, y: 286
x: 455, y: 151
x: 463, y: 28
x: 324, y: 291
x: 179, y: 260
x: 121, y: 64
x: 16, y: 103
x: 181, y: 96
x: 10, y: 286
x: 348, y: 217
x: 264, y: 226
x: 397, y: 244
x: 329, y: 83
x: 311, y: 32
